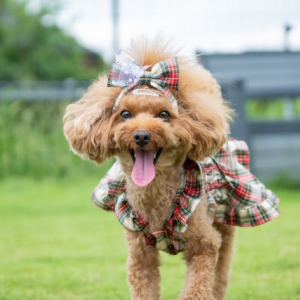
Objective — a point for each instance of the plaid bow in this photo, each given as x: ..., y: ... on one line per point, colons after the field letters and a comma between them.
x: 126, y: 72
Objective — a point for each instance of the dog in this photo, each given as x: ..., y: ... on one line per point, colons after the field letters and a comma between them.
x: 179, y: 183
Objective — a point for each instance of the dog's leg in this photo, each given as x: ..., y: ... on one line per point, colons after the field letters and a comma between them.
x: 142, y: 264
x: 201, y: 256
x: 224, y: 261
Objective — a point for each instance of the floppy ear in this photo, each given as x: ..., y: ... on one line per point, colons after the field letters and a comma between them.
x: 205, y: 113
x: 87, y: 123
x: 209, y: 128
x: 207, y: 119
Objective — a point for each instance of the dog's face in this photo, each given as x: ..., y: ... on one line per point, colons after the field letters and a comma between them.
x: 148, y: 137
x: 144, y: 132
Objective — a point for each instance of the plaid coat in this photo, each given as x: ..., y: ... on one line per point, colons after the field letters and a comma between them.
x: 234, y: 196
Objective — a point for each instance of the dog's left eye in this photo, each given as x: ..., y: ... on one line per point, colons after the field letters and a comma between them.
x: 125, y: 114
x: 164, y: 115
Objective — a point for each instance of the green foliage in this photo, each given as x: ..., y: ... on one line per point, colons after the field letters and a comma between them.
x: 32, y: 142
x: 30, y: 50
x: 297, y: 107
x: 266, y: 110
x: 56, y: 245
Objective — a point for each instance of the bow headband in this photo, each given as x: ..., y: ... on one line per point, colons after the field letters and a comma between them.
x: 125, y: 72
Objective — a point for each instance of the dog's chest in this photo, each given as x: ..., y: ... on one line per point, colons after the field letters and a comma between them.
x: 155, y: 209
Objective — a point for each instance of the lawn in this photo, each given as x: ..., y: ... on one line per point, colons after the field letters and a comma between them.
x: 56, y: 245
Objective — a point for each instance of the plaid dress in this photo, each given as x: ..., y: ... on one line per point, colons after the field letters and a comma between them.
x: 234, y: 196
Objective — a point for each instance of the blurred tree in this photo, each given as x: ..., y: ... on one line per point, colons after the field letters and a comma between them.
x: 32, y: 47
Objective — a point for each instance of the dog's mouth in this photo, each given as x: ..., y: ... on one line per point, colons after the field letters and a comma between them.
x: 155, y: 155
x: 143, y: 171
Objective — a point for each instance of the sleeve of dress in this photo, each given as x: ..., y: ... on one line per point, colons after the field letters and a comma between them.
x: 104, y: 195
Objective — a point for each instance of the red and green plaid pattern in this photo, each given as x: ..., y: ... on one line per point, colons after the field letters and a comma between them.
x: 163, y: 75
x: 241, y: 199
x: 234, y: 195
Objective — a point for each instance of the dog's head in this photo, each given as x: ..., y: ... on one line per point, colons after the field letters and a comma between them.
x: 143, y: 131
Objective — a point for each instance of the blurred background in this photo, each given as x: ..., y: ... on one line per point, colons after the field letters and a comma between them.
x: 50, y: 52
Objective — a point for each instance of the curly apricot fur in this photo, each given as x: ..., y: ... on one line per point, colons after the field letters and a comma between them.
x: 201, y: 127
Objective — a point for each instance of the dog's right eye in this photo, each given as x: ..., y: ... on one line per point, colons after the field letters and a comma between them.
x: 164, y: 115
x: 125, y: 114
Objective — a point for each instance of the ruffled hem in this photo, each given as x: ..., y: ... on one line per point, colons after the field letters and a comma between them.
x: 235, y: 195
x: 248, y: 217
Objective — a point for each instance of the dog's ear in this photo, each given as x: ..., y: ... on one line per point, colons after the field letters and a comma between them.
x: 206, y: 121
x: 204, y: 113
x: 87, y: 123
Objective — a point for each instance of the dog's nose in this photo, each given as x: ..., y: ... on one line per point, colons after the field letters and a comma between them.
x: 142, y: 137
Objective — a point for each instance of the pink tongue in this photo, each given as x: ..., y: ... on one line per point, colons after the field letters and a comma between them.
x: 143, y: 171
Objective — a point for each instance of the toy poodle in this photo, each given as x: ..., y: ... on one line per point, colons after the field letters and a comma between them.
x: 178, y: 183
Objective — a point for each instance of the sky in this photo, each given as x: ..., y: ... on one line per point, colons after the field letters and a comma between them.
x: 208, y: 26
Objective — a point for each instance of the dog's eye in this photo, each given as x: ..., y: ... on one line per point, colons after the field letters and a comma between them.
x: 125, y: 114
x: 164, y: 115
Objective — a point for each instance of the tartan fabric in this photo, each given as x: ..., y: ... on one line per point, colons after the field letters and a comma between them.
x: 234, y: 196
x: 119, y: 74
x: 240, y: 198
x: 126, y: 72
x: 164, y: 74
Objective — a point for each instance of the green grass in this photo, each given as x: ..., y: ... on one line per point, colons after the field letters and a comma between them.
x: 56, y: 245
